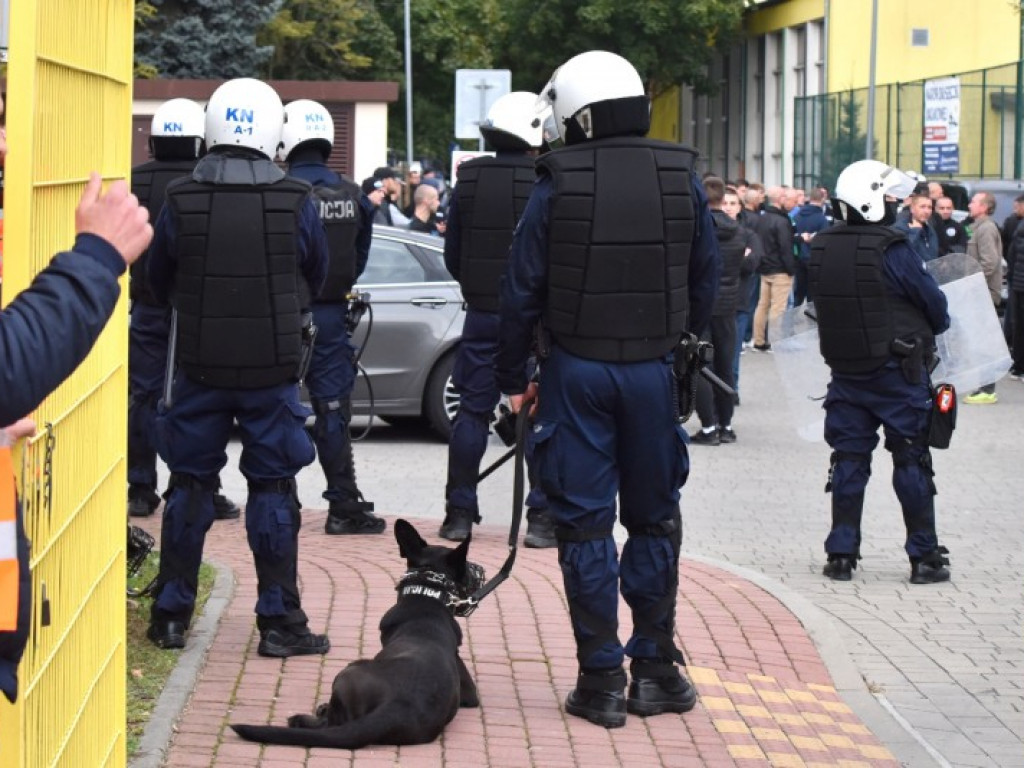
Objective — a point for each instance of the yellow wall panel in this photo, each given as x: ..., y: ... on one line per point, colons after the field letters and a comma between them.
x: 68, y: 113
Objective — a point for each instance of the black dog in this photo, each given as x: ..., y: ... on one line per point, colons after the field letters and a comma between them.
x: 411, y: 690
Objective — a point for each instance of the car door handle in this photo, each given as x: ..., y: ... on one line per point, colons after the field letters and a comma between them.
x: 430, y: 301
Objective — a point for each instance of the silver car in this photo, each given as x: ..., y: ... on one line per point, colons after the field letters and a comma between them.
x: 414, y: 323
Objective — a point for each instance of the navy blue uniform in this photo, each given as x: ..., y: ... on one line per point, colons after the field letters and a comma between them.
x: 474, y: 378
x: 192, y: 436
x: 605, y: 429
x: 332, y: 370
x: 856, y: 405
x: 56, y: 319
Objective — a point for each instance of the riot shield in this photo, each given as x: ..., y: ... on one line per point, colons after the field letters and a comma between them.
x: 973, y: 351
x: 801, y: 369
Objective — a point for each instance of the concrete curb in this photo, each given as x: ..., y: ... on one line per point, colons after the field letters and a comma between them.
x: 894, y: 732
x: 157, y: 737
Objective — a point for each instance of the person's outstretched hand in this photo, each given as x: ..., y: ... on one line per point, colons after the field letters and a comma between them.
x: 115, y: 216
x: 12, y: 433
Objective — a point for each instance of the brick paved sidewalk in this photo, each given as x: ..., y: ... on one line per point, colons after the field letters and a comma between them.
x: 766, y: 696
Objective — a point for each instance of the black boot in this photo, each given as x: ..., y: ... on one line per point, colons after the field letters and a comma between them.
x: 840, y: 567
x: 224, y: 508
x: 930, y: 569
x: 458, y: 522
x: 353, y: 518
x: 658, y: 686
x: 291, y: 640
x: 142, y: 500
x: 599, y: 697
x: 167, y: 633
x: 540, y: 530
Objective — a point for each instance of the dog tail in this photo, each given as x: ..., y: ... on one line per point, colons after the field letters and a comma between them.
x: 372, y: 729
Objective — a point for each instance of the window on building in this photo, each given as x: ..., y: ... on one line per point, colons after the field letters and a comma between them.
x: 919, y: 38
x: 800, y: 68
x: 778, y: 84
x: 759, y: 77
x: 819, y: 63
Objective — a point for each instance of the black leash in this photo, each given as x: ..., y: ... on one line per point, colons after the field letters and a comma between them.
x: 467, y: 606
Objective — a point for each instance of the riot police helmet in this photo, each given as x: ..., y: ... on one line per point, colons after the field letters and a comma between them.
x: 594, y: 95
x: 177, y: 129
x: 306, y: 123
x: 513, y: 124
x: 867, y: 192
x: 245, y: 113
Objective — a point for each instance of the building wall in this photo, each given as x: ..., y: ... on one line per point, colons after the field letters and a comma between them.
x: 371, y: 139
x: 795, y: 48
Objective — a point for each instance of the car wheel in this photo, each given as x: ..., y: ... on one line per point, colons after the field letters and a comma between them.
x: 441, y: 401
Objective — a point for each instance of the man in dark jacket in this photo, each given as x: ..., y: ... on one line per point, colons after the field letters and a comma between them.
x: 950, y: 233
x: 76, y: 293
x: 808, y: 220
x: 1015, y: 301
x: 777, y: 265
x: 715, y: 407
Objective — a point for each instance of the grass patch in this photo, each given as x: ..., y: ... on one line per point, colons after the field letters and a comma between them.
x: 148, y: 666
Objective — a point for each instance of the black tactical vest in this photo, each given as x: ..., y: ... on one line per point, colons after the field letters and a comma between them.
x: 732, y: 244
x: 858, y: 316
x: 492, y: 194
x: 622, y: 221
x: 149, y: 184
x: 238, y: 290
x: 340, y: 212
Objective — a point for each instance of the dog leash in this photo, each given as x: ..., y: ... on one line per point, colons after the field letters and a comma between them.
x: 467, y: 606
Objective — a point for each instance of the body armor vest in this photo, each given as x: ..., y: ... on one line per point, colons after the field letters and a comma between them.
x: 858, y: 316
x: 340, y: 212
x: 622, y: 221
x: 492, y: 194
x: 238, y: 290
x: 149, y: 184
x: 732, y: 245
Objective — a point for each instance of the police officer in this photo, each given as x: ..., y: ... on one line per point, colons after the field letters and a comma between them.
x: 306, y: 143
x: 878, y: 313
x: 176, y: 143
x: 616, y: 255
x: 487, y: 203
x: 240, y: 251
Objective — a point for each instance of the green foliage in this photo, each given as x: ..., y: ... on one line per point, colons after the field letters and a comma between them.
x: 329, y: 40
x: 668, y: 41
x: 205, y: 38
x: 845, y: 138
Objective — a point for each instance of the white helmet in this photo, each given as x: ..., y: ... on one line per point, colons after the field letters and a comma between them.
x: 178, y: 117
x: 305, y: 120
x: 245, y: 113
x: 862, y: 187
x: 596, y: 94
x: 513, y: 122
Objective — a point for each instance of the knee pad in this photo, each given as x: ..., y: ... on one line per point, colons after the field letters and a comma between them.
x: 861, y: 461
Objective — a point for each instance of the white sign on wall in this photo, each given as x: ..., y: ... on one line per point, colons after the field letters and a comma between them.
x: 942, y: 125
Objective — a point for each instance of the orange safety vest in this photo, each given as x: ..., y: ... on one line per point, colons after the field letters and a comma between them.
x: 9, y: 586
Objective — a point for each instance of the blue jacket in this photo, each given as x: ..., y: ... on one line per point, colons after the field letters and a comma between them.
x: 922, y: 239
x: 524, y: 285
x: 808, y: 219
x: 45, y: 332
x: 906, y: 276
x: 318, y: 174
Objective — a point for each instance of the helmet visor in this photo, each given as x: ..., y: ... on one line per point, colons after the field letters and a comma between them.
x: 896, y: 183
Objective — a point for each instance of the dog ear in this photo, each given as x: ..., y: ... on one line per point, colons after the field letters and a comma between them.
x: 410, y: 543
x: 456, y: 559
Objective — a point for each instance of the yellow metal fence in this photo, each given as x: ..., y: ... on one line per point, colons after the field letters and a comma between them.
x: 69, y: 112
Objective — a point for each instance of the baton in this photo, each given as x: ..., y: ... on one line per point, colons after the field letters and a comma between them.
x: 713, y: 378
x: 172, y: 350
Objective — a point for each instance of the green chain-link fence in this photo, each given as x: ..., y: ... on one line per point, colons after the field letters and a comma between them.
x: 830, y: 130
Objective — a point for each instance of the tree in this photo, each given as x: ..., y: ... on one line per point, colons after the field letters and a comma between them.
x: 845, y: 138
x: 330, y: 40
x: 668, y: 41
x: 205, y: 38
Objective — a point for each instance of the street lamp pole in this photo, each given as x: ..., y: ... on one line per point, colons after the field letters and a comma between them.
x: 869, y: 149
x: 408, y: 88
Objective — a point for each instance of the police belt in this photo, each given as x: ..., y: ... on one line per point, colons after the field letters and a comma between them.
x: 467, y: 606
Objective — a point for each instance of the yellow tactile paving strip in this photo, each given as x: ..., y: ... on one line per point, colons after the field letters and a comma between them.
x: 786, y: 723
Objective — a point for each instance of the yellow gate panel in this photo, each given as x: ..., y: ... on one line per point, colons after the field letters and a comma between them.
x: 69, y: 112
